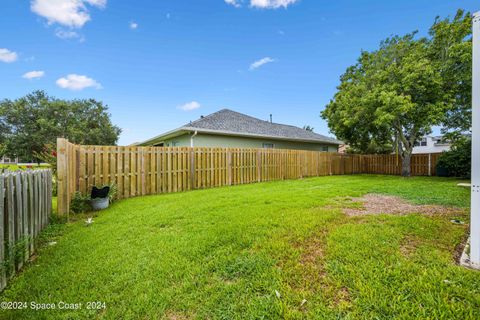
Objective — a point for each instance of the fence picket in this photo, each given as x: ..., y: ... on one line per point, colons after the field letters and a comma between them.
x: 3, y: 279
x: 25, y: 196
x: 11, y: 223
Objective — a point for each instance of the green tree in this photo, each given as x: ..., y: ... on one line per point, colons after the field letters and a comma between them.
x: 3, y: 137
x: 392, y: 95
x: 31, y: 122
x: 451, y: 48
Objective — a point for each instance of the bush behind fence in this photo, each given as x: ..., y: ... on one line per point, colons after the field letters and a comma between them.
x: 152, y: 170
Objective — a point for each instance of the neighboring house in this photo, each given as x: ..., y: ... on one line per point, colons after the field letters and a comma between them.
x: 431, y: 144
x: 230, y: 129
x: 7, y: 160
x: 343, y: 148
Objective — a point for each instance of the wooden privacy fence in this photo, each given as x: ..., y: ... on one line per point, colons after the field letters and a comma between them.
x: 25, y: 207
x: 151, y: 170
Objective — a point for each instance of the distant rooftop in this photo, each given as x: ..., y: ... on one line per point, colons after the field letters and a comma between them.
x: 230, y: 122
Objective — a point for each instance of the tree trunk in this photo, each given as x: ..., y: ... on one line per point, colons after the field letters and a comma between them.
x: 406, y: 159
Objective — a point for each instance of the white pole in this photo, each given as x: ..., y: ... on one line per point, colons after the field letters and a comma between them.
x: 191, y: 139
x: 429, y: 164
x: 475, y: 204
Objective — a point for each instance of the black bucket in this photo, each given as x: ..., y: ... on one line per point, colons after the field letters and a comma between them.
x: 99, y: 198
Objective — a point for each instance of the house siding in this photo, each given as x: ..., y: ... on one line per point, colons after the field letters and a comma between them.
x: 206, y: 140
x: 431, y: 147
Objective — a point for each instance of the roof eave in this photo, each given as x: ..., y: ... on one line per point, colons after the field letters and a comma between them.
x: 252, y: 135
x: 165, y: 136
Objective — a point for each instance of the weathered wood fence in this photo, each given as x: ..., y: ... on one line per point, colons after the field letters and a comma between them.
x: 151, y: 170
x: 25, y: 207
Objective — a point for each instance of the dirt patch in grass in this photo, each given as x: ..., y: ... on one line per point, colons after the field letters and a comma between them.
x: 313, y: 250
x: 170, y: 315
x: 342, y: 298
x: 310, y: 277
x: 308, y: 273
x: 382, y: 204
x: 408, y: 246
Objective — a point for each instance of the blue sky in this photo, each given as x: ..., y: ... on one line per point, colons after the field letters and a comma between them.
x: 160, y: 64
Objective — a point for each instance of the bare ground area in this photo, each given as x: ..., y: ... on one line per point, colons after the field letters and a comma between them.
x: 382, y: 204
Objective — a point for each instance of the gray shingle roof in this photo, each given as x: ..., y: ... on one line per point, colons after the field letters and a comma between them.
x: 231, y: 122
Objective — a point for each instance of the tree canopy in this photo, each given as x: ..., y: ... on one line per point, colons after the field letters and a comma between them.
x: 29, y: 123
x: 451, y: 48
x: 394, y: 95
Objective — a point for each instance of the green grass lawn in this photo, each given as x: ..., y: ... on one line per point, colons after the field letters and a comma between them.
x: 225, y: 253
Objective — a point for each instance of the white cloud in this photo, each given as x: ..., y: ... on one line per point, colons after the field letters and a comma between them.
x: 68, y: 34
x: 257, y: 64
x: 189, y: 106
x: 98, y: 3
x: 234, y: 3
x: 133, y: 25
x: 33, y: 75
x: 70, y: 13
x: 77, y: 82
x: 7, y: 55
x: 263, y: 4
x: 271, y: 4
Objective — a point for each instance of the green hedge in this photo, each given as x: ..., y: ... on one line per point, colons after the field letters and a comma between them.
x: 458, y: 161
x: 14, y: 167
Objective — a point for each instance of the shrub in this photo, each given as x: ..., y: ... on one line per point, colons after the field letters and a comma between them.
x: 457, y: 161
x: 112, y: 193
x: 80, y: 203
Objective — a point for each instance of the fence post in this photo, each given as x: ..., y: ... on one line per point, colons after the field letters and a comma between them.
x: 62, y: 178
x: 259, y: 171
x: 429, y: 164
x: 475, y: 191
x: 192, y: 168
x: 330, y: 164
x: 229, y: 166
x: 301, y: 161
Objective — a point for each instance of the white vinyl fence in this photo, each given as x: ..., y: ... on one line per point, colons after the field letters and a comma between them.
x: 25, y: 207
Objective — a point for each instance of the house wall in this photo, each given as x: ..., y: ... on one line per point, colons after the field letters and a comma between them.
x: 206, y: 140
x: 7, y: 160
x: 431, y: 147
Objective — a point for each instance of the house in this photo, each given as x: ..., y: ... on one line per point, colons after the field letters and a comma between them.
x: 7, y: 160
x: 230, y: 129
x: 343, y: 148
x: 431, y: 144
